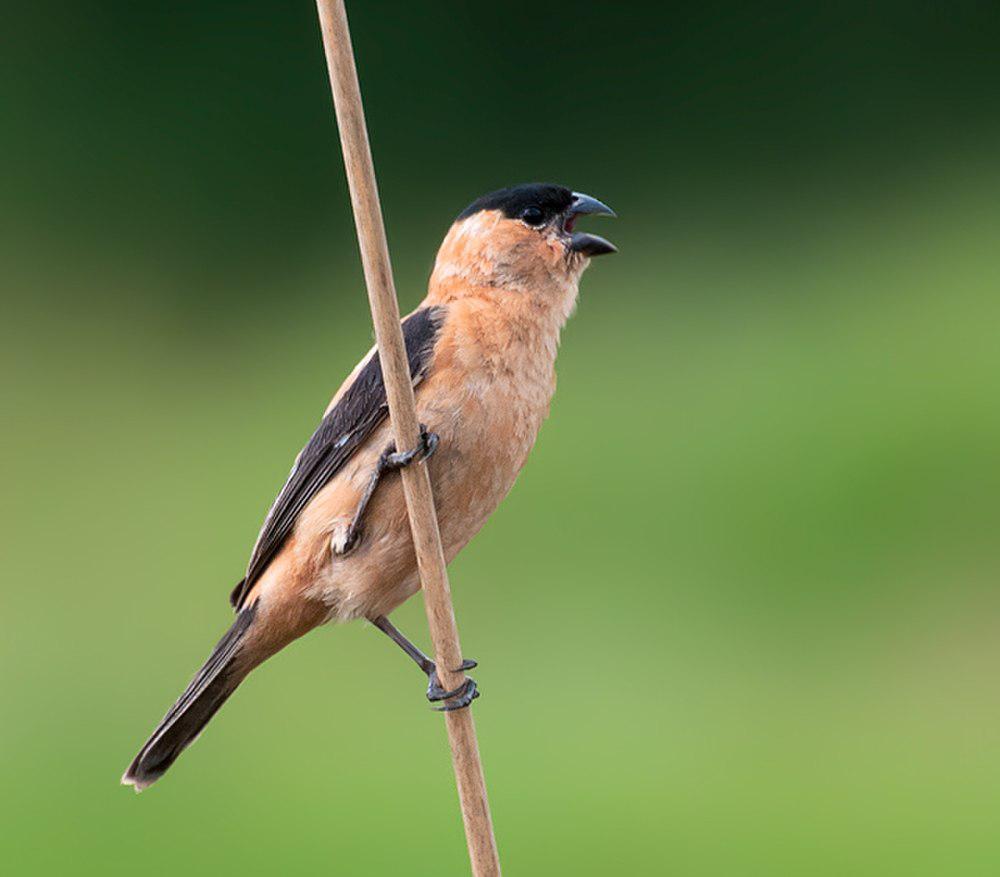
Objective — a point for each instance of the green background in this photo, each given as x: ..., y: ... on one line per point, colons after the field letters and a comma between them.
x: 740, y: 614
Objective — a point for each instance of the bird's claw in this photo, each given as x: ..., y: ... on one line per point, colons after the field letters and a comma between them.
x: 350, y: 542
x: 458, y: 698
x: 468, y: 693
x: 425, y: 448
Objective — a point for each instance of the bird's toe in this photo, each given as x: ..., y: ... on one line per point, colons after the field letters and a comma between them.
x: 467, y: 692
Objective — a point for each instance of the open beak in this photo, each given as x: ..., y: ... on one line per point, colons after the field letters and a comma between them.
x: 580, y: 242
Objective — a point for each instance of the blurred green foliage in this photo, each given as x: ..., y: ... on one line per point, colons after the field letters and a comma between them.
x: 739, y: 616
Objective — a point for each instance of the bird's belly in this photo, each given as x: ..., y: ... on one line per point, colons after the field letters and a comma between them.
x: 484, y: 441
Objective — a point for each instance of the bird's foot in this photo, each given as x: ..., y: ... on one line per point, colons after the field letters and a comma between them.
x: 393, y: 459
x: 458, y: 698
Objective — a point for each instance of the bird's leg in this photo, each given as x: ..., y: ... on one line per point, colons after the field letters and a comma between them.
x: 389, y: 460
x: 464, y: 694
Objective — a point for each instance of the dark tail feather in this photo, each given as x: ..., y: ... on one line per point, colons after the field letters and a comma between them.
x: 208, y: 691
x: 238, y: 594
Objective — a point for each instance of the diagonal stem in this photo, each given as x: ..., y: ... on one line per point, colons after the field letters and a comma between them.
x: 402, y: 411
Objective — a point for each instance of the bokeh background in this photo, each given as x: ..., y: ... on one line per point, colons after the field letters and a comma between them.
x: 740, y: 614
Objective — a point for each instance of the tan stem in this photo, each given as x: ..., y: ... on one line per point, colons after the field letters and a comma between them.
x: 403, y: 414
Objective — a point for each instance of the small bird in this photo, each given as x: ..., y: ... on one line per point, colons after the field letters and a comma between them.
x: 336, y: 544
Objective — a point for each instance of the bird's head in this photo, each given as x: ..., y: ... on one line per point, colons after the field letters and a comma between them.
x: 521, y: 238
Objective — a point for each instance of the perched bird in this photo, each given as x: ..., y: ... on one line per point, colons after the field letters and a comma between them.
x: 336, y: 543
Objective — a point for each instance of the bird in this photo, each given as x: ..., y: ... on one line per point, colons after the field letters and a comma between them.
x: 336, y: 543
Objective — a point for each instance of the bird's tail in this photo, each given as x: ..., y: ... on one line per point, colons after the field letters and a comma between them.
x: 209, y: 690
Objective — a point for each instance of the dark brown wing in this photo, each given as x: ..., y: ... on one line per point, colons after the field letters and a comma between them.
x: 344, y: 429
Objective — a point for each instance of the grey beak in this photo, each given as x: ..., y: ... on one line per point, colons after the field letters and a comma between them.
x: 589, y: 244
x: 584, y: 205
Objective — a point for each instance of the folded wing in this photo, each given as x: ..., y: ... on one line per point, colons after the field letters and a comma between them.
x: 360, y: 410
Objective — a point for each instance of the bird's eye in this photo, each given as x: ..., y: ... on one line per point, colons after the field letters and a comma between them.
x: 533, y: 215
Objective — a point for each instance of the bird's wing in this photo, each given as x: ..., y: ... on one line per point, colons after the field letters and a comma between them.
x: 345, y: 427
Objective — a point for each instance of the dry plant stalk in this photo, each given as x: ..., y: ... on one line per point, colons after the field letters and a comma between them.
x: 403, y: 414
